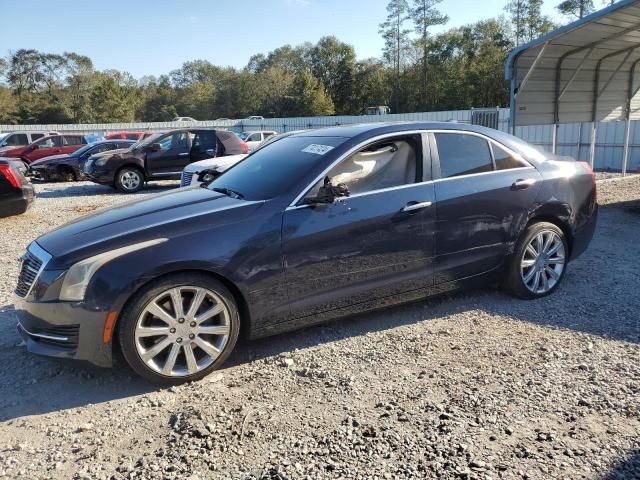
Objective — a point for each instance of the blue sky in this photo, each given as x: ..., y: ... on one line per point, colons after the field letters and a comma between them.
x: 152, y: 37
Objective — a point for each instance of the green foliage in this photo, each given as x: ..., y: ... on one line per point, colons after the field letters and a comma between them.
x: 576, y: 8
x: 418, y: 71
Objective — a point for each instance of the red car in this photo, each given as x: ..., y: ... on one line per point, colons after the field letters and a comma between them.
x: 49, y: 145
x: 128, y: 135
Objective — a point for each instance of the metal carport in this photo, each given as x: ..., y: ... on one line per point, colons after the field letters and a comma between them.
x: 583, y: 72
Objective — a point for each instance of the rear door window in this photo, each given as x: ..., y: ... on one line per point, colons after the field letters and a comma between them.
x: 36, y: 136
x: 18, y: 139
x: 72, y: 140
x: 505, y: 160
x: 462, y: 154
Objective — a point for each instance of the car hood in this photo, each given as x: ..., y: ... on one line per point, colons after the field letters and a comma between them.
x: 50, y: 159
x: 214, y: 163
x: 167, y: 215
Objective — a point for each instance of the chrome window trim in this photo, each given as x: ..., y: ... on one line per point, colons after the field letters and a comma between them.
x: 350, y: 152
x: 294, y: 204
x: 41, y: 254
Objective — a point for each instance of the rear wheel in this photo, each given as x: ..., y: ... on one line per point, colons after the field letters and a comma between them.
x: 179, y: 329
x: 539, y: 261
x: 67, y: 175
x: 129, y: 180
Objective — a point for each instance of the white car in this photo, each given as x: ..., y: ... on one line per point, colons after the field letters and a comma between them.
x: 254, y: 139
x: 192, y: 172
x: 184, y: 119
x: 217, y: 165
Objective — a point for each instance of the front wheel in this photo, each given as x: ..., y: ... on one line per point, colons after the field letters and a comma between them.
x: 539, y: 261
x: 129, y: 180
x: 179, y: 329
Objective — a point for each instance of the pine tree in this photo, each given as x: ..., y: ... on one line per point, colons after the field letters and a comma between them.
x: 576, y: 8
x: 425, y: 15
x: 396, y: 39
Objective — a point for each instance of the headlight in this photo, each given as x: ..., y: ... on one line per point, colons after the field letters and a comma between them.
x: 79, y: 275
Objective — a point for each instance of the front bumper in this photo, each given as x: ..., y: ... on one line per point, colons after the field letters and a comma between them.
x: 63, y: 330
x: 19, y: 202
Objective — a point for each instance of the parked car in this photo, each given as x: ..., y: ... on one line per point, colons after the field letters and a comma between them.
x: 380, y: 110
x: 184, y: 119
x: 11, y: 140
x: 69, y: 167
x: 254, y: 139
x: 255, y: 117
x: 162, y: 156
x: 49, y: 145
x: 16, y: 193
x: 316, y: 226
x: 127, y: 135
x: 205, y: 171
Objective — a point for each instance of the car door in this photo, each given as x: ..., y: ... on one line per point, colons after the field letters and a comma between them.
x: 378, y: 242
x: 483, y: 193
x: 173, y: 155
x: 204, y: 145
x: 44, y: 148
x: 254, y: 140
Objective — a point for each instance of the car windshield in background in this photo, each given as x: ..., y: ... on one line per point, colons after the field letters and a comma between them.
x: 81, y: 151
x: 243, y: 135
x: 3, y: 136
x: 276, y: 168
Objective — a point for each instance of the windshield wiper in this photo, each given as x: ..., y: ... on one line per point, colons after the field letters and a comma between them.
x: 229, y: 192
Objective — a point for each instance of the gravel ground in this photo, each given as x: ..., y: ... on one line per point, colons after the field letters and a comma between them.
x: 474, y: 386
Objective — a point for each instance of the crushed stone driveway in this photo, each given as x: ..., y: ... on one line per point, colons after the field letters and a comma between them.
x: 476, y: 385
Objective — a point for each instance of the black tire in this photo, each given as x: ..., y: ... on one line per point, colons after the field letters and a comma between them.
x: 514, y: 282
x: 129, y: 180
x: 129, y: 319
x: 67, y: 175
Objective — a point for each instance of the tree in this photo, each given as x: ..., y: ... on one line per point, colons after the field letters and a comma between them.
x: 576, y: 8
x: 333, y: 63
x: 311, y: 99
x: 527, y: 20
x: 396, y: 41
x: 425, y: 15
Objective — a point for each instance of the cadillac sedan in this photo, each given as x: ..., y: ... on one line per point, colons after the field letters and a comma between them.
x: 319, y: 225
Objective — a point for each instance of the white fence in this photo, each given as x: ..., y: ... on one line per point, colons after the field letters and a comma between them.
x: 573, y: 139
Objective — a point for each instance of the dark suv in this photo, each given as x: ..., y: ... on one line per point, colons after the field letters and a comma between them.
x: 160, y: 157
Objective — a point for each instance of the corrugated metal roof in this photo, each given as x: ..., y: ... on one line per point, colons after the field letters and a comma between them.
x: 583, y: 72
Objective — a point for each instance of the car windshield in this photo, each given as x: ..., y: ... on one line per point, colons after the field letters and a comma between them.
x: 3, y: 136
x: 276, y: 168
x: 243, y: 135
x: 147, y: 141
x: 83, y: 150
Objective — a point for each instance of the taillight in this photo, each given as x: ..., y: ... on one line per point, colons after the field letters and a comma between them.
x: 10, y: 175
x: 245, y: 147
x: 589, y: 170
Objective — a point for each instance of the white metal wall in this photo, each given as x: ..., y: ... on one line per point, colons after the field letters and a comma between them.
x: 573, y: 138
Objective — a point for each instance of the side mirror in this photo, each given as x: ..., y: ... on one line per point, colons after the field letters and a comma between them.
x: 328, y: 193
x: 155, y: 147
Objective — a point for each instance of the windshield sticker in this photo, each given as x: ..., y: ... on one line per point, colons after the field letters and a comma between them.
x: 317, y: 149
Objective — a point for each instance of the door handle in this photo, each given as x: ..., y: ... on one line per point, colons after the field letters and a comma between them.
x: 411, y: 207
x: 183, y: 154
x: 522, y: 184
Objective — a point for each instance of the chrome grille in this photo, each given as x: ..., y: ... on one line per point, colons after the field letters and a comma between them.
x: 186, y: 179
x: 32, y: 263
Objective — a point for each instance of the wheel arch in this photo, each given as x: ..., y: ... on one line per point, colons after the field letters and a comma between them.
x: 243, y: 307
x: 558, y: 222
x: 130, y: 165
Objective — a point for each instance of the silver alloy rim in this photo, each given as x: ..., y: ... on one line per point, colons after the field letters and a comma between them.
x: 182, y: 331
x: 542, y: 262
x: 130, y: 180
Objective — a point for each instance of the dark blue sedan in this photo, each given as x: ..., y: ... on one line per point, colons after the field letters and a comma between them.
x: 68, y: 167
x: 319, y: 225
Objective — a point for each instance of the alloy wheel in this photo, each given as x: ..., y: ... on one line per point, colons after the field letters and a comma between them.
x: 543, y: 262
x: 130, y: 179
x: 182, y: 331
